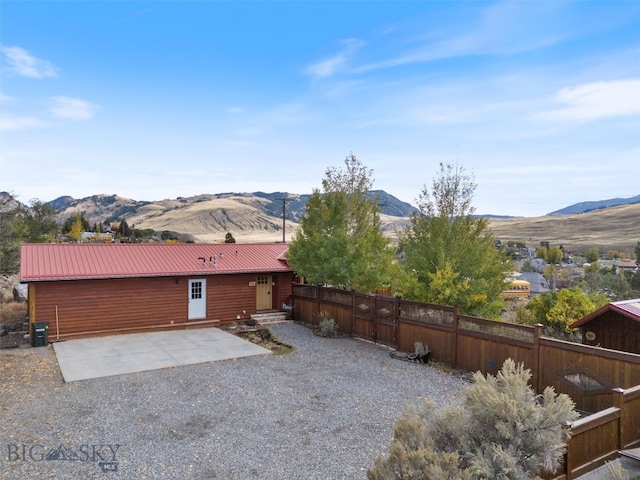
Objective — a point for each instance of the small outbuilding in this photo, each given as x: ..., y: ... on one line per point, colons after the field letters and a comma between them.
x: 100, y: 289
x: 615, y: 326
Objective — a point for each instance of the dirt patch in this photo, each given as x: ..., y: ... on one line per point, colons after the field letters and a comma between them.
x: 28, y: 374
x: 262, y: 337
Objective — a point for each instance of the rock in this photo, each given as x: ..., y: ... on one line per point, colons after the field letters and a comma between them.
x: 20, y: 292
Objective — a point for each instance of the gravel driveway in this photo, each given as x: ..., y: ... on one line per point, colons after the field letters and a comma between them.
x: 323, y: 412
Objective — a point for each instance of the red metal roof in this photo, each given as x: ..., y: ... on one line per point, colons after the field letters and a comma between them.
x: 68, y: 261
x: 628, y: 308
x: 631, y: 307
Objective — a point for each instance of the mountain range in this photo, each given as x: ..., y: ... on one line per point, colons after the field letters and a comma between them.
x: 257, y: 216
x: 253, y: 216
x: 585, y: 207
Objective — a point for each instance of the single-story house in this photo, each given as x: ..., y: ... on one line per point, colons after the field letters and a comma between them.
x: 626, y: 265
x: 615, y: 326
x: 98, y: 289
x: 537, y: 282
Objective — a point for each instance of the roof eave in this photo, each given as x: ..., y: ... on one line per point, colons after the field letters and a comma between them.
x: 600, y: 311
x: 153, y: 275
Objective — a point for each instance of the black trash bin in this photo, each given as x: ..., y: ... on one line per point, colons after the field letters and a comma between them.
x: 39, y: 334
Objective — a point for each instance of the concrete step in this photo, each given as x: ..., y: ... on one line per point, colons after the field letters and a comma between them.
x: 633, y: 453
x: 629, y: 460
x: 269, y: 318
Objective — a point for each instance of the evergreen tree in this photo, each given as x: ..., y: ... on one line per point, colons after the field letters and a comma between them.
x: 11, y: 232
x: 123, y: 229
x: 228, y: 238
x: 70, y: 221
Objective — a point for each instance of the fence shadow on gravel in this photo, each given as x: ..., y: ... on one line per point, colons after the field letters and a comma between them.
x: 604, y: 384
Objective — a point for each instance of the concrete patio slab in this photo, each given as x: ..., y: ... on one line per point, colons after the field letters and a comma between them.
x: 87, y: 358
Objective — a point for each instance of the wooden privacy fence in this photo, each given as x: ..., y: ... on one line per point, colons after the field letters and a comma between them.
x: 603, y: 381
x: 452, y: 338
x: 600, y: 436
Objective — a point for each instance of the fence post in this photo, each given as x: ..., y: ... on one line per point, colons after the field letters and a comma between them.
x: 318, y: 308
x: 396, y: 319
x: 353, y: 311
x: 618, y: 402
x: 535, y: 368
x: 455, y: 337
x: 568, y: 464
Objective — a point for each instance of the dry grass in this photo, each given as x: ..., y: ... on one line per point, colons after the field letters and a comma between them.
x: 615, y: 228
x: 208, y: 218
x: 12, y: 312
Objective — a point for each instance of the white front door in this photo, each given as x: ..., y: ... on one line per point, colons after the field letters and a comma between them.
x: 197, y: 298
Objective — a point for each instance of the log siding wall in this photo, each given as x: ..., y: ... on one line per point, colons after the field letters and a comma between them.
x: 625, y: 336
x: 90, y: 307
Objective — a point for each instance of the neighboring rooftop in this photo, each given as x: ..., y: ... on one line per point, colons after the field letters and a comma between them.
x: 628, y: 308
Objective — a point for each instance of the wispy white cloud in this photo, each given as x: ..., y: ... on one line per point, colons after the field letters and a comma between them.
x: 134, y: 15
x: 258, y: 125
x: 236, y: 110
x: 500, y: 28
x: 594, y: 101
x: 72, y: 108
x: 332, y: 65
x: 21, y: 62
x: 19, y: 123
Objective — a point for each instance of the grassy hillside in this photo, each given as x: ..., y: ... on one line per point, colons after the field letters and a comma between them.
x: 616, y: 228
x: 256, y: 217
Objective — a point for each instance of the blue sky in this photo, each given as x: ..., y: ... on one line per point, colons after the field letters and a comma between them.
x: 540, y: 100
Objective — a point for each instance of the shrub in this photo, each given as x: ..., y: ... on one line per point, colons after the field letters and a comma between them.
x: 615, y: 471
x: 503, y: 431
x: 327, y: 326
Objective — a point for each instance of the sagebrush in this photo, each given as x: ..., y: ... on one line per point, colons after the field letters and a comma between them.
x: 502, y: 431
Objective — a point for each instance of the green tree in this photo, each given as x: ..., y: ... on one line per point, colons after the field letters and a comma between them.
x: 636, y: 250
x: 551, y: 255
x: 634, y: 281
x: 550, y: 273
x: 39, y: 221
x: 570, y: 306
x: 123, y: 229
x: 11, y: 233
x: 592, y: 255
x: 446, y: 285
x: 144, y: 234
x: 503, y: 431
x: 68, y: 223
x: 615, y: 285
x: 228, y: 238
x: 339, y: 241
x: 446, y: 240
x: 77, y: 228
x: 557, y: 310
